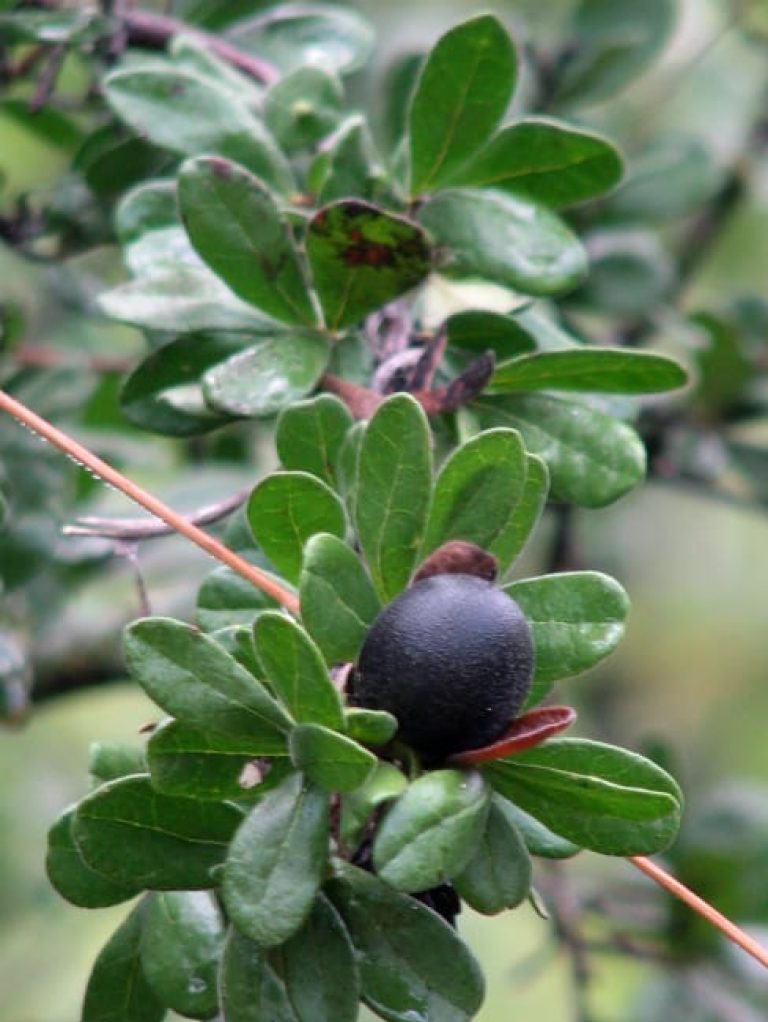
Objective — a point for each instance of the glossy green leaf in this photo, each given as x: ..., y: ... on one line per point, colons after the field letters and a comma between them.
x: 163, y: 393
x: 498, y: 875
x: 593, y: 459
x: 674, y: 176
x: 348, y: 463
x: 529, y: 507
x: 393, y: 491
x: 191, y: 677
x: 545, y: 160
x: 384, y: 784
x: 310, y: 433
x: 303, y: 107
x: 276, y: 861
x: 461, y: 95
x: 250, y: 989
x: 137, y: 836
x: 236, y: 226
x: 297, y: 671
x: 193, y: 763
x: 150, y: 206
x: 71, y: 875
x: 361, y: 258
x: 351, y: 165
x: 117, y: 989
x: 262, y: 380
x: 226, y: 599
x: 476, y: 495
x: 539, y: 840
x: 599, y: 370
x: 294, y: 35
x: 181, y: 946
x: 413, y: 965
x: 319, y: 968
x: 190, y: 115
x: 338, y: 601
x: 576, y: 618
x: 630, y: 272
x: 370, y: 727
x: 237, y: 640
x: 109, y: 760
x: 430, y: 833
x: 285, y: 510
x: 332, y: 761
x: 505, y: 239
x: 598, y: 796
x: 477, y: 330
x: 182, y: 300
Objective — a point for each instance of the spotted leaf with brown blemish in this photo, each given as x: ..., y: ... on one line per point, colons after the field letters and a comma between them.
x: 362, y: 258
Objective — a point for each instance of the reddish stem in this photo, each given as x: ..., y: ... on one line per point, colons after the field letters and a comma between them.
x: 523, y: 733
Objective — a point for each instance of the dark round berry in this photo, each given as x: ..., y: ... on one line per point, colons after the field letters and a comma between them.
x: 452, y: 659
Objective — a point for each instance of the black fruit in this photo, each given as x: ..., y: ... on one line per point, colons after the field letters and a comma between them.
x: 452, y: 659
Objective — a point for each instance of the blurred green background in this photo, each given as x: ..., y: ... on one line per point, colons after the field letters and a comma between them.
x: 693, y: 669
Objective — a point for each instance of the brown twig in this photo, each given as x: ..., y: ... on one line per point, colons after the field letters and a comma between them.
x: 47, y: 80
x: 156, y: 507
x: 133, y: 529
x: 43, y: 356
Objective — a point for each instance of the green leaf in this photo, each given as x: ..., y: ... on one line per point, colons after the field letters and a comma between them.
x: 310, y: 433
x: 137, y: 836
x: 600, y: 797
x: 593, y: 459
x: 181, y: 945
x: 348, y: 463
x: 539, y: 840
x: 576, y: 618
x: 413, y: 965
x: 384, y: 784
x: 430, y: 833
x: 338, y: 601
x: 150, y: 206
x: 276, y: 861
x: 461, y: 95
x: 498, y: 875
x: 362, y: 258
x: 476, y: 495
x: 332, y: 761
x: 226, y: 599
x: 506, y: 239
x: 529, y: 507
x: 191, y: 677
x: 370, y: 727
x: 477, y: 330
x: 303, y: 107
x: 295, y: 667
x: 547, y: 161
x: 599, y: 370
x: 250, y: 989
x: 181, y: 300
x: 630, y: 272
x: 262, y: 380
x: 393, y: 491
x: 236, y: 227
x: 163, y: 393
x: 295, y: 35
x: 109, y: 760
x: 193, y: 763
x: 285, y: 510
x: 117, y: 989
x: 71, y: 875
x: 188, y: 114
x: 674, y: 176
x: 319, y: 968
x: 350, y: 165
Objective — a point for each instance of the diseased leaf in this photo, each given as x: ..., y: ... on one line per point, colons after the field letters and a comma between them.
x: 332, y: 761
x: 593, y: 459
x: 393, y: 491
x: 600, y: 797
x: 460, y: 96
x: 599, y: 370
x: 506, y: 239
x: 288, y: 508
x: 275, y: 862
x: 498, y: 875
x: 430, y: 833
x: 338, y: 601
x: 191, y: 677
x: 71, y: 875
x: 413, y: 965
x: 361, y: 258
x: 262, y: 380
x: 236, y: 227
x: 134, y: 835
x: 310, y: 433
x: 545, y: 160
x: 295, y: 667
